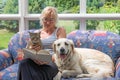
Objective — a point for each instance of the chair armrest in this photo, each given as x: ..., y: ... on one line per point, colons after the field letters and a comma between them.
x: 5, y: 59
x: 117, y: 73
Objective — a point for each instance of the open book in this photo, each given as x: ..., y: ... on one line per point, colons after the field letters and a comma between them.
x: 42, y: 55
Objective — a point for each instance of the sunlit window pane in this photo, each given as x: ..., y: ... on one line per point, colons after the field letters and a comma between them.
x: 107, y: 25
x: 7, y: 30
x: 8, y: 6
x: 34, y: 24
x: 63, y: 6
x: 103, y: 6
x: 69, y: 25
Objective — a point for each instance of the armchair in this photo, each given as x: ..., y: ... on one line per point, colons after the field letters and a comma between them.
x: 104, y: 41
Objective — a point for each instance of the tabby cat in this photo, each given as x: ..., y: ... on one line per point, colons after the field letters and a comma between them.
x: 34, y: 40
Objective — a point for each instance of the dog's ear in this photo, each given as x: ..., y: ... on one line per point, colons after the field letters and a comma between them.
x: 54, y: 47
x: 72, y: 44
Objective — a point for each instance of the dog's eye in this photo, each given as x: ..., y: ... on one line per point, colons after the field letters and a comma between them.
x: 66, y: 44
x: 58, y: 44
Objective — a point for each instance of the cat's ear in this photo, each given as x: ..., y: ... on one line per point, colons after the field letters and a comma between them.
x: 39, y: 32
x: 29, y: 32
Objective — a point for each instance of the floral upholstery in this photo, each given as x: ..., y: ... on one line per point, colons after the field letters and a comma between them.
x: 9, y: 73
x: 5, y: 59
x: 80, y: 38
x: 117, y: 75
x: 101, y: 40
x: 104, y: 41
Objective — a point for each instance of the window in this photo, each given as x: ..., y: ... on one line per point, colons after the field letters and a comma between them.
x: 9, y: 6
x: 63, y: 6
x: 7, y: 29
x: 73, y: 14
x: 107, y: 25
x: 103, y: 6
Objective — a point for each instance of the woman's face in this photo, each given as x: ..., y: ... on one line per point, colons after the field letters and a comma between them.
x: 48, y: 21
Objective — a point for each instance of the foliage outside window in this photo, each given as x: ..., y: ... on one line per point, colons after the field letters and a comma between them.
x: 63, y: 6
x: 7, y: 31
x: 9, y: 6
x: 107, y: 25
x: 104, y: 6
x: 66, y: 6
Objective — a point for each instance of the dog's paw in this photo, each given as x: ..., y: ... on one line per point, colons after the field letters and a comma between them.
x: 83, y: 75
x: 58, y: 76
x: 66, y: 74
x: 80, y: 76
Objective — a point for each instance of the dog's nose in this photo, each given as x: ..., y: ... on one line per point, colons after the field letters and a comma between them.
x: 62, y: 50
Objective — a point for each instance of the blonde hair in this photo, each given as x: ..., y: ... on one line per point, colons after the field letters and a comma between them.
x: 49, y: 11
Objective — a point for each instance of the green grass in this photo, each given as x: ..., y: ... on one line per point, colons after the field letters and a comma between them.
x: 5, y: 38
x: 68, y: 25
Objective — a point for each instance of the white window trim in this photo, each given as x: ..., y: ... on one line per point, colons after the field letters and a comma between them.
x: 23, y: 17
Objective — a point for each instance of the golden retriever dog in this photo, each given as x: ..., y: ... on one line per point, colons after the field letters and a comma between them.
x: 81, y: 62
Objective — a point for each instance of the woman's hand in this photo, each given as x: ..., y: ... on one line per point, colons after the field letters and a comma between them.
x: 61, y: 33
x: 40, y: 62
x: 36, y: 47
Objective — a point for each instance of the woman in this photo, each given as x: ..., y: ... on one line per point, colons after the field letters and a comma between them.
x: 39, y: 70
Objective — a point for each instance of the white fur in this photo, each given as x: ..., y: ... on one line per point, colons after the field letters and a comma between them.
x: 81, y: 62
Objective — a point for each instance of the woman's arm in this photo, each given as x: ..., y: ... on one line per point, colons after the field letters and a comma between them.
x: 61, y: 33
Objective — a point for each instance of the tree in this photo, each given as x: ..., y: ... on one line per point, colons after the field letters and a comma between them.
x: 10, y: 7
x: 1, y: 5
x: 108, y: 6
x: 67, y: 6
x: 63, y: 6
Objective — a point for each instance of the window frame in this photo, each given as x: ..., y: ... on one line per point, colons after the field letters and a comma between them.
x: 23, y: 16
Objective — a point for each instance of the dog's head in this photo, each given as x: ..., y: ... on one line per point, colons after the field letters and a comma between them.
x: 63, y: 47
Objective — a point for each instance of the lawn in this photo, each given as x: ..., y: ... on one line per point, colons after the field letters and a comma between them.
x: 5, y: 38
x: 68, y: 25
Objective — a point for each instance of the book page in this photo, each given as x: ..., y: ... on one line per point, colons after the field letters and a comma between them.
x: 41, y: 55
